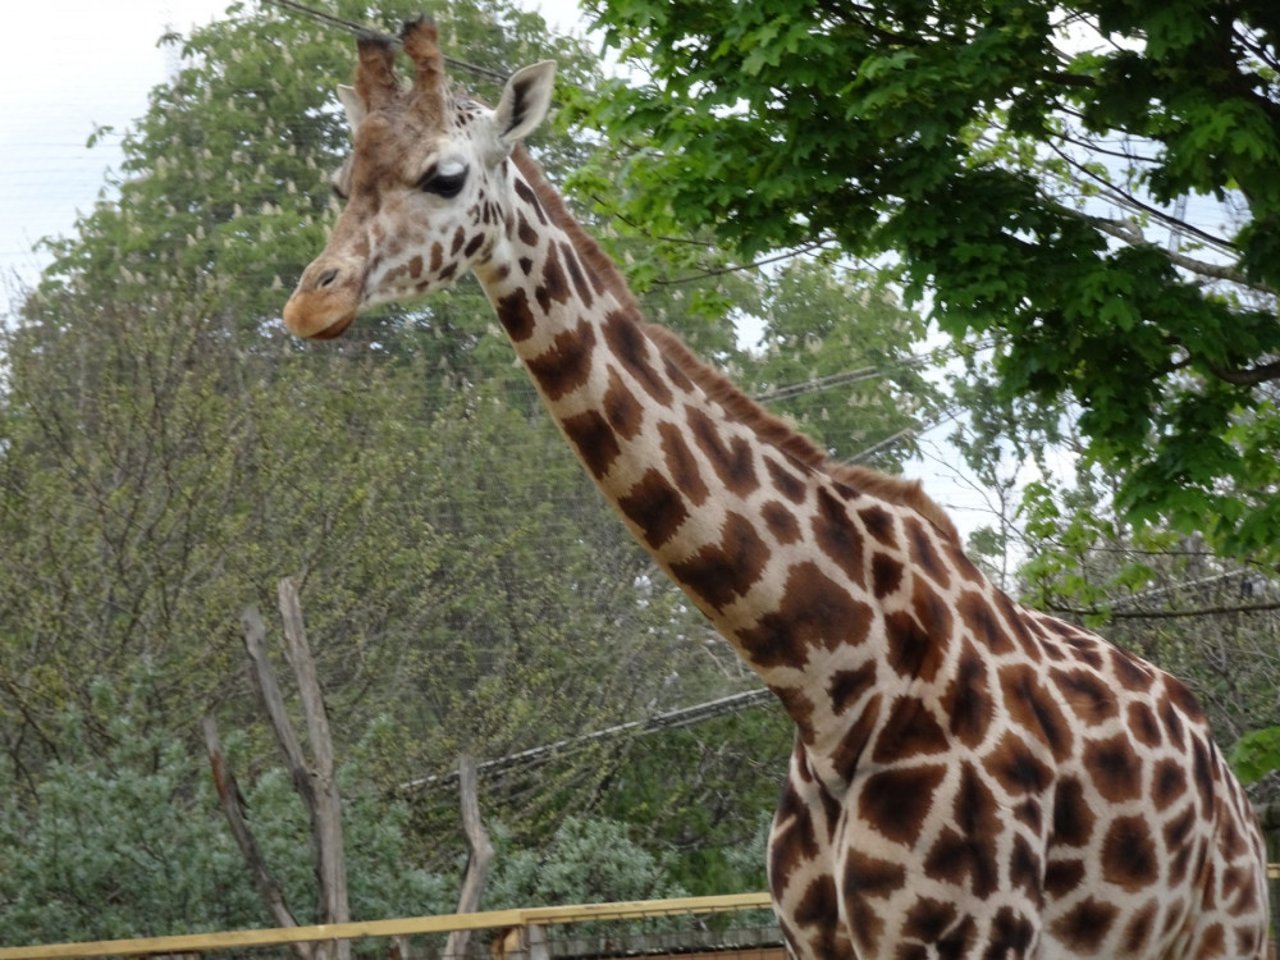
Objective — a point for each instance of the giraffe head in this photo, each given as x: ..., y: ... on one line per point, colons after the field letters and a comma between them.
x: 424, y: 200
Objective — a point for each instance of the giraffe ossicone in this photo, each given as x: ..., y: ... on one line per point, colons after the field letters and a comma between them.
x: 970, y: 778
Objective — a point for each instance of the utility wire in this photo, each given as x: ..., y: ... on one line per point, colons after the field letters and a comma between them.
x: 356, y: 28
x: 674, y: 720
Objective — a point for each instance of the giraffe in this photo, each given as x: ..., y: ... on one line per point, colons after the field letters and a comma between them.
x: 969, y: 777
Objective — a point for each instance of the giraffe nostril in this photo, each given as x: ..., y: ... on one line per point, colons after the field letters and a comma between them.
x: 327, y: 278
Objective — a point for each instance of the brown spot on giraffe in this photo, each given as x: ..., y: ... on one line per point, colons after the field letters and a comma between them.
x: 1086, y: 926
x: 782, y: 523
x: 1115, y: 768
x: 594, y: 440
x: 580, y: 285
x: 1031, y: 704
x: 1129, y: 854
x: 866, y: 880
x: 847, y: 687
x: 886, y: 575
x: 655, y: 507
x: 567, y: 363
x: 682, y: 464
x: 626, y: 415
x: 631, y: 347
x: 1087, y: 694
x: 895, y: 802
x: 554, y: 288
x: 910, y: 730
x: 720, y: 573
x: 981, y: 622
x: 968, y: 701
x: 785, y: 481
x: 733, y: 460
x: 816, y: 612
x: 514, y: 314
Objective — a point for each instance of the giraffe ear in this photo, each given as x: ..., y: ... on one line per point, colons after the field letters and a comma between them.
x: 524, y: 102
x: 351, y: 105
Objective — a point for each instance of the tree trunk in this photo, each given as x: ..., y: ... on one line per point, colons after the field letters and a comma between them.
x: 477, y: 862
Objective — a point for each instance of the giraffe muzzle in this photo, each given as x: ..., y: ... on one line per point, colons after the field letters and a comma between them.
x: 326, y: 299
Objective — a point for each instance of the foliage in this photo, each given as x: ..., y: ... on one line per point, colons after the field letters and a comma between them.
x: 128, y: 842
x: 703, y: 792
x: 1257, y: 754
x: 1024, y: 162
x: 586, y: 861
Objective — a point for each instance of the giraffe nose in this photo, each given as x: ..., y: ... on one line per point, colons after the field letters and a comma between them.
x: 326, y: 299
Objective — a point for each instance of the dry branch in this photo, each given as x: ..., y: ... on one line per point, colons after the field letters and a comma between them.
x: 479, y: 858
x: 326, y: 803
x: 315, y: 783
x: 230, y: 798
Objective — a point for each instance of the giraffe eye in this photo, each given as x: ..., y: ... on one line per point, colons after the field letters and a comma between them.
x: 443, y: 183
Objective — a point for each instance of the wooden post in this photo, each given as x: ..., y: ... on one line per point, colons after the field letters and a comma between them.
x: 233, y: 808
x: 315, y: 781
x: 325, y: 802
x: 477, y: 861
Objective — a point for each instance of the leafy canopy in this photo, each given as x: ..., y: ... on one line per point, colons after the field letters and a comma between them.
x: 1025, y: 163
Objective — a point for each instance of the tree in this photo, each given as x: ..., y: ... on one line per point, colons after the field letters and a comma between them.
x: 127, y: 842
x: 1025, y: 163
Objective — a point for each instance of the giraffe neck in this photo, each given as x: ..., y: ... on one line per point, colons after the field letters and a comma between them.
x: 773, y: 547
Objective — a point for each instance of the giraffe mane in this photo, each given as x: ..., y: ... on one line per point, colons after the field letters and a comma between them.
x: 771, y: 428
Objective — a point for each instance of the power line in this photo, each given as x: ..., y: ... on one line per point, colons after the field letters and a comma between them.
x: 674, y: 720
x: 361, y: 30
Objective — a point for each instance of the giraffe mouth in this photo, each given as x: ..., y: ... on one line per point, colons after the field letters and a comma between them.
x: 321, y: 314
x: 334, y: 330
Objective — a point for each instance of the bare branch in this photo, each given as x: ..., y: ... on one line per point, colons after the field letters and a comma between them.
x: 734, y: 268
x: 1216, y: 611
x: 1128, y: 232
x: 232, y: 806
x: 481, y: 853
x: 326, y: 813
x: 255, y: 633
x: 1248, y: 376
x: 319, y: 795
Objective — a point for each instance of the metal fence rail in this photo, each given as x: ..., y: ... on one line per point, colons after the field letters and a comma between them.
x: 530, y: 918
x: 490, y: 920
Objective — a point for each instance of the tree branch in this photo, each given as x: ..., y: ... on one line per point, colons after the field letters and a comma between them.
x: 734, y: 268
x: 1247, y: 376
x: 326, y: 813
x: 477, y: 862
x: 1215, y: 611
x: 1130, y: 233
x: 1128, y: 200
x: 255, y: 633
x: 232, y: 806
x: 318, y: 793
